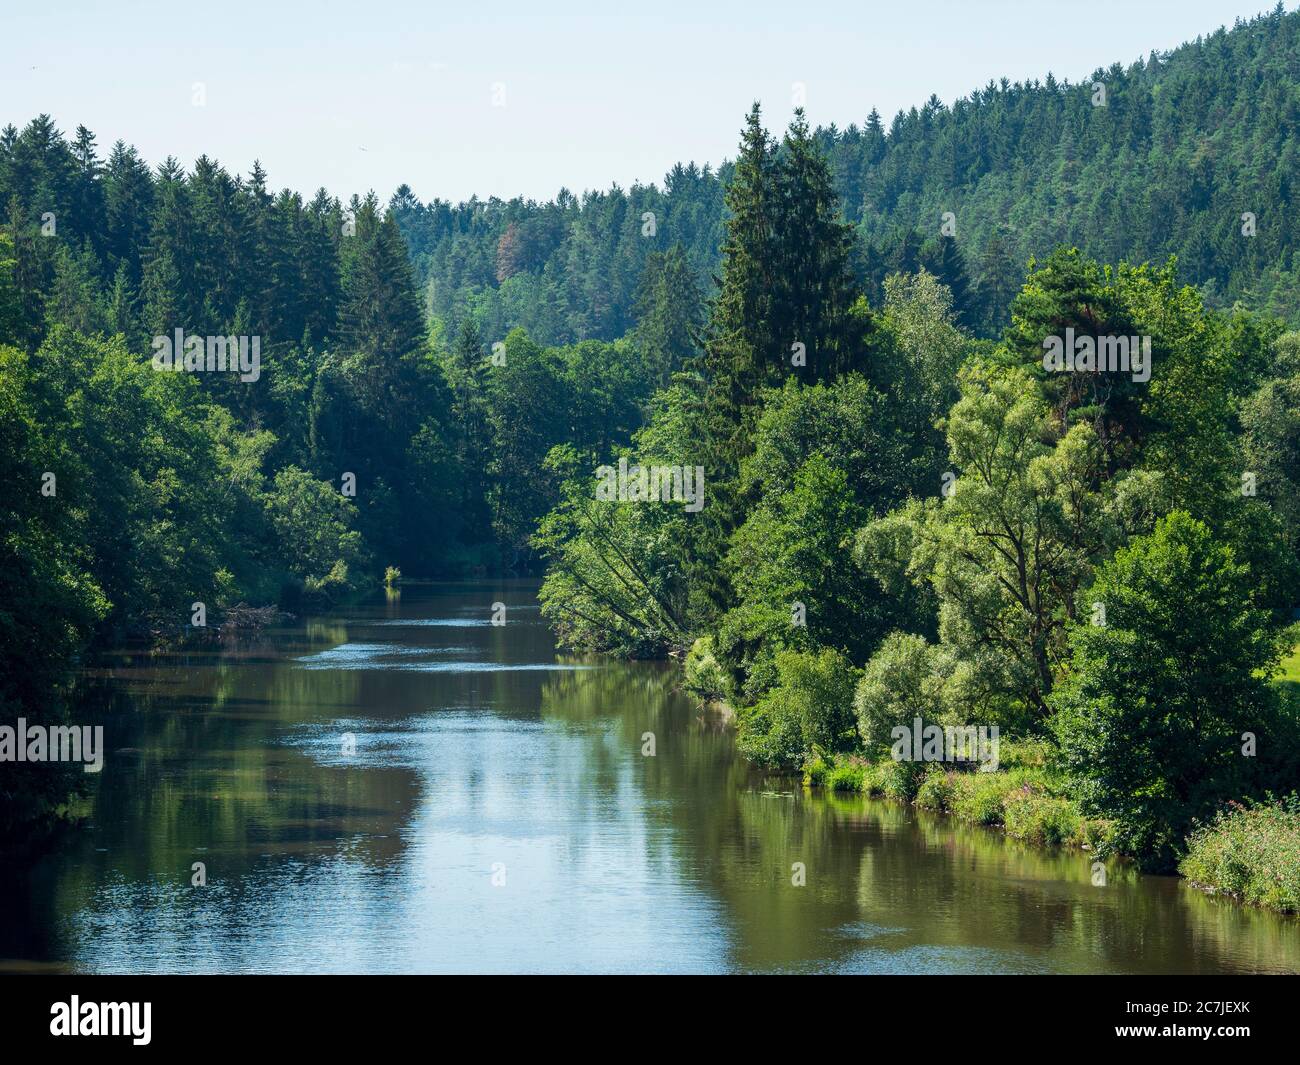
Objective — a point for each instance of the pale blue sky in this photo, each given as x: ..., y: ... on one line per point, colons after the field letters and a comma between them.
x: 594, y: 93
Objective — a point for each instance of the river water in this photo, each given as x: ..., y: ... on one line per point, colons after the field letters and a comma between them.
x: 407, y: 787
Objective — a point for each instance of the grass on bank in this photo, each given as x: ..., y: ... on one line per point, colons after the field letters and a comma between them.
x: 1291, y: 667
x: 1020, y: 796
x: 1252, y: 853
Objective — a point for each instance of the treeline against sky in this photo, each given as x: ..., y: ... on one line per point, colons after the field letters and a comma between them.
x: 1184, y: 145
x: 438, y: 385
x: 368, y: 437
x: 904, y: 522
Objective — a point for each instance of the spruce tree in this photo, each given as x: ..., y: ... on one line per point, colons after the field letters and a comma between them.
x: 741, y: 353
x: 669, y: 312
x: 815, y: 283
x: 944, y: 259
x: 786, y: 306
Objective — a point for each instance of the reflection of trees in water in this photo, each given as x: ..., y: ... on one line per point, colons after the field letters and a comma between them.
x: 880, y: 875
x: 949, y: 883
x: 979, y: 886
x: 198, y: 769
x: 204, y: 763
x: 726, y: 827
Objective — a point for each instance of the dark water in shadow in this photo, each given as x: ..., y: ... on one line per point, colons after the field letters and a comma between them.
x: 481, y: 756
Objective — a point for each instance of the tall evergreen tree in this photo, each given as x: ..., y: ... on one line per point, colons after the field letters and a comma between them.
x: 787, y: 306
x: 814, y: 276
x: 943, y: 258
x: 669, y: 313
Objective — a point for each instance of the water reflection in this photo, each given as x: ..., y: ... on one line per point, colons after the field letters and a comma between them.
x: 358, y: 808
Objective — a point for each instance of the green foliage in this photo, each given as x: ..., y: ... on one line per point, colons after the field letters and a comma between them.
x: 1030, y: 815
x: 1007, y: 550
x: 981, y: 797
x: 903, y: 681
x: 618, y: 571
x: 851, y: 775
x: 848, y: 776
x: 822, y: 463
x: 795, y: 550
x: 787, y: 307
x: 311, y: 520
x: 1249, y: 852
x: 669, y: 313
x: 936, y: 790
x: 616, y: 579
x: 703, y: 674
x: 587, y: 397
x: 898, y: 780
x: 1291, y: 663
x: 1151, y: 716
x: 845, y: 423
x: 826, y: 430
x: 922, y: 350
x: 809, y: 708
x: 815, y: 772
x: 48, y: 600
x: 1270, y: 419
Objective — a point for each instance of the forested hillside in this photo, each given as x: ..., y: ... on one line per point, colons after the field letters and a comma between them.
x: 891, y: 516
x: 911, y: 530
x: 353, y: 436
x: 1164, y: 160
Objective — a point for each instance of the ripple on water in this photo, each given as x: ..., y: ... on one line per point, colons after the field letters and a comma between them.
x: 424, y: 623
x: 352, y: 656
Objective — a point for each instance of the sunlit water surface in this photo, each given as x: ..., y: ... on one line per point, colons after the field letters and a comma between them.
x: 407, y: 787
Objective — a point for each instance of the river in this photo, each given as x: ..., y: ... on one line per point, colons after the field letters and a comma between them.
x: 408, y: 787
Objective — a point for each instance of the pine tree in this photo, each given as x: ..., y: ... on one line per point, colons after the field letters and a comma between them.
x: 31, y: 274
x: 121, y: 309
x: 172, y: 265
x: 384, y: 390
x: 318, y: 256
x: 998, y: 280
x: 128, y: 207
x: 162, y: 311
x: 467, y: 374
x: 741, y: 353
x: 74, y: 299
x: 88, y: 190
x: 380, y: 315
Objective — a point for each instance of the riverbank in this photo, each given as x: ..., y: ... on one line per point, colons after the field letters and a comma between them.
x: 478, y: 746
x: 1251, y: 854
x: 1020, y: 796
x: 1250, y: 851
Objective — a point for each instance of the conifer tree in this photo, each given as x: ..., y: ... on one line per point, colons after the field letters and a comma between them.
x: 814, y: 277
x: 944, y: 259
x: 669, y: 313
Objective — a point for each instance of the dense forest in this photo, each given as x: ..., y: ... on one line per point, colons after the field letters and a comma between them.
x: 906, y: 512
x: 905, y: 523
x: 1161, y: 158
